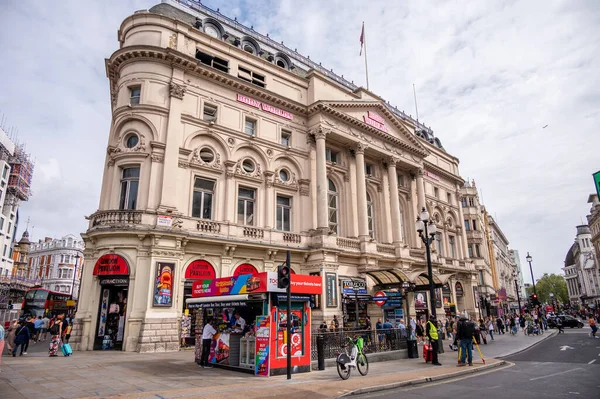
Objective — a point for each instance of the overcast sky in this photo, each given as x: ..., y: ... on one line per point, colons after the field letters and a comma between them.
x: 489, y: 76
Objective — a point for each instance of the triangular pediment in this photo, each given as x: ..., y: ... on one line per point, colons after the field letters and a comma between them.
x: 375, y: 118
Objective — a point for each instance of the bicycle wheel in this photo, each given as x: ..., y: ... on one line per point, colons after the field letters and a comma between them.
x: 362, y: 364
x: 344, y: 373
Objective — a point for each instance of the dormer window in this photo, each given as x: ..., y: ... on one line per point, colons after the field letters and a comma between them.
x: 249, y: 45
x: 212, y: 29
x: 282, y: 61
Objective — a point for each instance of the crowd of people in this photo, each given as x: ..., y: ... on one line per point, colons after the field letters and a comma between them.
x: 31, y: 331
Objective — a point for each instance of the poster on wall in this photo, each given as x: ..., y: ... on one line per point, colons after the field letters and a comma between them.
x: 476, y: 296
x: 438, y: 298
x: 103, y: 312
x: 297, y: 332
x: 263, y: 326
x: 331, y: 287
x: 420, y: 300
x: 163, y: 285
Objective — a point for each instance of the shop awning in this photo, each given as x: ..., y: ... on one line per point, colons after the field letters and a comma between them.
x: 445, y: 277
x: 227, y: 298
x: 387, y: 276
x: 421, y: 280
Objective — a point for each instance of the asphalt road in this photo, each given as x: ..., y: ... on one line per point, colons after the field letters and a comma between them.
x: 567, y: 365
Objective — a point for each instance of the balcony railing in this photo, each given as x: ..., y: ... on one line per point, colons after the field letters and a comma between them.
x: 208, y: 226
x: 112, y: 218
x: 291, y: 237
x: 348, y: 243
x: 253, y: 232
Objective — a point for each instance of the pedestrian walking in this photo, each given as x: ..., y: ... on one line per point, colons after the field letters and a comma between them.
x: 56, y: 331
x: 432, y: 333
x: 593, y: 327
x: 559, y: 325
x: 67, y: 331
x: 465, y: 332
x: 207, y: 336
x: 31, y: 326
x: 2, y: 337
x: 10, y: 336
x: 37, y: 324
x: 21, y: 339
x: 420, y: 332
x: 490, y: 327
x: 500, y: 325
x: 45, y: 326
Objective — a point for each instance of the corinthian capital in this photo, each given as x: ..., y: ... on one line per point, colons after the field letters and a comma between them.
x: 361, y: 147
x: 177, y: 90
x: 391, y: 162
x: 320, y: 132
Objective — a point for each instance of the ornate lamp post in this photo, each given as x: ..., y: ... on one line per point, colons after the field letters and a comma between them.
x: 529, y: 259
x: 515, y: 275
x: 427, y: 230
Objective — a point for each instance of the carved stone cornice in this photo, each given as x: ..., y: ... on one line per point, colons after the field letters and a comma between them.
x: 391, y: 162
x: 304, y: 187
x: 176, y: 90
x: 157, y: 158
x: 319, y: 132
x: 360, y: 148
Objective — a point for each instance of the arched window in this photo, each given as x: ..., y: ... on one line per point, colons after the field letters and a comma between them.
x: 332, y: 197
x: 250, y: 45
x: 401, y: 224
x: 370, y: 216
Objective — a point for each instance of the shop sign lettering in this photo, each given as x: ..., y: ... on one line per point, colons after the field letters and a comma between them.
x: 111, y: 264
x: 200, y: 270
x: 265, y: 107
x: 375, y: 120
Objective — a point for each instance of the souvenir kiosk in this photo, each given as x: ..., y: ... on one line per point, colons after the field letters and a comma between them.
x: 261, y: 346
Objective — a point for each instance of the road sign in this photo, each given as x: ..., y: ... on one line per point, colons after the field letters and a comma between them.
x: 597, y: 182
x: 382, y: 296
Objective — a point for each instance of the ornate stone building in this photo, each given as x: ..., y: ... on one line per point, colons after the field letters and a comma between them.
x: 226, y: 149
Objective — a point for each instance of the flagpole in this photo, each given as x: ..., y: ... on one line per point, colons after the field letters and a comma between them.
x: 366, y: 63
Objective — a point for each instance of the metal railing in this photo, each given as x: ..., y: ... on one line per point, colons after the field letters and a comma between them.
x: 375, y: 341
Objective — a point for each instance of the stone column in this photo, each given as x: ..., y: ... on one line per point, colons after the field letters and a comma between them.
x: 387, y: 236
x: 322, y: 185
x: 155, y: 169
x: 394, y: 201
x: 313, y: 186
x: 352, y: 197
x: 420, y: 191
x: 169, y: 194
x: 463, y: 232
x: 230, y: 194
x: 269, y: 201
x: 361, y: 186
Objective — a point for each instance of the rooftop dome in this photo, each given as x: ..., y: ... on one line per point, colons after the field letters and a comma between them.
x: 570, y: 259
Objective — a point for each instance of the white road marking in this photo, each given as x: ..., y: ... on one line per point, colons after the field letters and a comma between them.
x: 592, y: 361
x: 565, y: 347
x: 552, y: 375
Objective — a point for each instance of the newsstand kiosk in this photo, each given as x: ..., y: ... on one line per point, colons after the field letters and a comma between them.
x: 260, y: 347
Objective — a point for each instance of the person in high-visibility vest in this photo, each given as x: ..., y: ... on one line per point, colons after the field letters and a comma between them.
x: 432, y: 333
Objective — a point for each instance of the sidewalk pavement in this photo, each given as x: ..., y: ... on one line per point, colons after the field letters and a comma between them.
x: 175, y: 375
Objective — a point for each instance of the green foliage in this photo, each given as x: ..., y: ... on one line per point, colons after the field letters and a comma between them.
x: 550, y: 283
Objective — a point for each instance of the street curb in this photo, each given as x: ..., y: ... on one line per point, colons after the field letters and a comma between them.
x: 550, y: 335
x: 425, y: 380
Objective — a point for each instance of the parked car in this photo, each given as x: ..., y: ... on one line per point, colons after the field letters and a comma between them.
x: 567, y: 321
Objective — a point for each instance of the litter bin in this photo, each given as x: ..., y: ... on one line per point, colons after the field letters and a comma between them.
x: 413, y: 352
x: 321, y: 352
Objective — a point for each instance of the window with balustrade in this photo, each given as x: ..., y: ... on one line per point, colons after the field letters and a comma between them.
x: 130, y: 178
x: 202, y: 202
x: 370, y: 214
x: 246, y: 206
x: 333, y: 203
x: 284, y: 213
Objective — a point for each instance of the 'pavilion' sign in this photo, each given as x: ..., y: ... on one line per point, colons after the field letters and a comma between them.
x: 265, y: 107
x: 372, y: 119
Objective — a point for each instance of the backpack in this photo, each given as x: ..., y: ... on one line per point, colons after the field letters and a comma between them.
x: 469, y: 330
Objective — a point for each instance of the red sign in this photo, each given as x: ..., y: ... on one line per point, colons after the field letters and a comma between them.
x: 200, y: 270
x: 111, y: 265
x: 372, y: 119
x: 259, y: 283
x: 303, y: 284
x: 245, y: 268
x: 432, y: 175
x: 265, y: 107
x: 379, y: 294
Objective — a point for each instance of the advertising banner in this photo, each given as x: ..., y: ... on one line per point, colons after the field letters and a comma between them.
x: 260, y: 283
x: 263, y: 326
x: 331, y: 290
x: 349, y: 286
x: 200, y: 270
x: 111, y: 265
x: 421, y: 300
x: 163, y: 285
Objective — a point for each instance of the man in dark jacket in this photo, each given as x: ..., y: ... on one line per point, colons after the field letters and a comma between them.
x: 432, y: 333
x: 22, y: 338
x: 465, y: 333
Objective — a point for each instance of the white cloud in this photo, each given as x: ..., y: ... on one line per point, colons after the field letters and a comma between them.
x: 489, y: 75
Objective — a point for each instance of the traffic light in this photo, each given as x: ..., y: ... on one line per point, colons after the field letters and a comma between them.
x: 283, y: 276
x: 533, y: 299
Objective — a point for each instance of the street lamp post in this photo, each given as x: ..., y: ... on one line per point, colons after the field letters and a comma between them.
x: 427, y: 230
x: 517, y: 290
x: 74, y: 276
x: 529, y: 259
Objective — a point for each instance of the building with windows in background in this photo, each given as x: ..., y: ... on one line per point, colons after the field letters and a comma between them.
x: 582, y: 271
x: 227, y: 149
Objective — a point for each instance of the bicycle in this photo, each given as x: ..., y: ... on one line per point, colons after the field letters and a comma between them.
x: 356, y: 358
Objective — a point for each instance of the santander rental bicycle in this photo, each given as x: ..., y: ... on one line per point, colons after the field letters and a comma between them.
x: 355, y: 359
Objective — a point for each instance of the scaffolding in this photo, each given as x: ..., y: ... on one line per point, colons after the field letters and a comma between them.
x: 21, y: 172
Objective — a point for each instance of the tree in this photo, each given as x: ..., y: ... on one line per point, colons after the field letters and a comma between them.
x: 550, y: 284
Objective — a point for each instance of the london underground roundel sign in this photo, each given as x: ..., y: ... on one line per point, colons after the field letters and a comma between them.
x: 380, y: 294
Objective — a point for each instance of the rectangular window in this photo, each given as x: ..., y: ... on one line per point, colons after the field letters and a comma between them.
x: 474, y: 225
x: 451, y: 242
x: 463, y: 202
x: 130, y: 178
x: 481, y: 282
x: 438, y: 243
x: 202, y: 203
x: 5, y: 172
x: 471, y: 202
x: 470, y: 249
x: 284, y: 213
x: 209, y: 112
x: 449, y: 198
x: 286, y: 138
x: 212, y: 61
x: 436, y: 192
x: 251, y: 76
x: 5, y: 248
x: 400, y: 181
x: 368, y: 169
x: 477, y: 253
x: 246, y: 205
x: 331, y: 155
x: 250, y: 126
x: 467, y: 225
x: 134, y: 95
x: 1, y: 223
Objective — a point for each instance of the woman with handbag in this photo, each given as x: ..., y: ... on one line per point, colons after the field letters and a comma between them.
x: 55, y: 334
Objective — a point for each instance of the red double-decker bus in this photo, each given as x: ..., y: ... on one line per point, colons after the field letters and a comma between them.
x: 40, y: 301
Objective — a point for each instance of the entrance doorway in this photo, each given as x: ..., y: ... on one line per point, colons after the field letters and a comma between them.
x: 112, y: 312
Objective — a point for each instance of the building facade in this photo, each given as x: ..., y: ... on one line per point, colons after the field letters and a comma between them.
x: 594, y: 222
x: 227, y: 149
x: 520, y: 284
x: 581, y: 270
x: 57, y: 263
x: 505, y: 267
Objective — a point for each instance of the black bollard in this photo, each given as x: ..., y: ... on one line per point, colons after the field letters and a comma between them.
x: 321, y: 352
